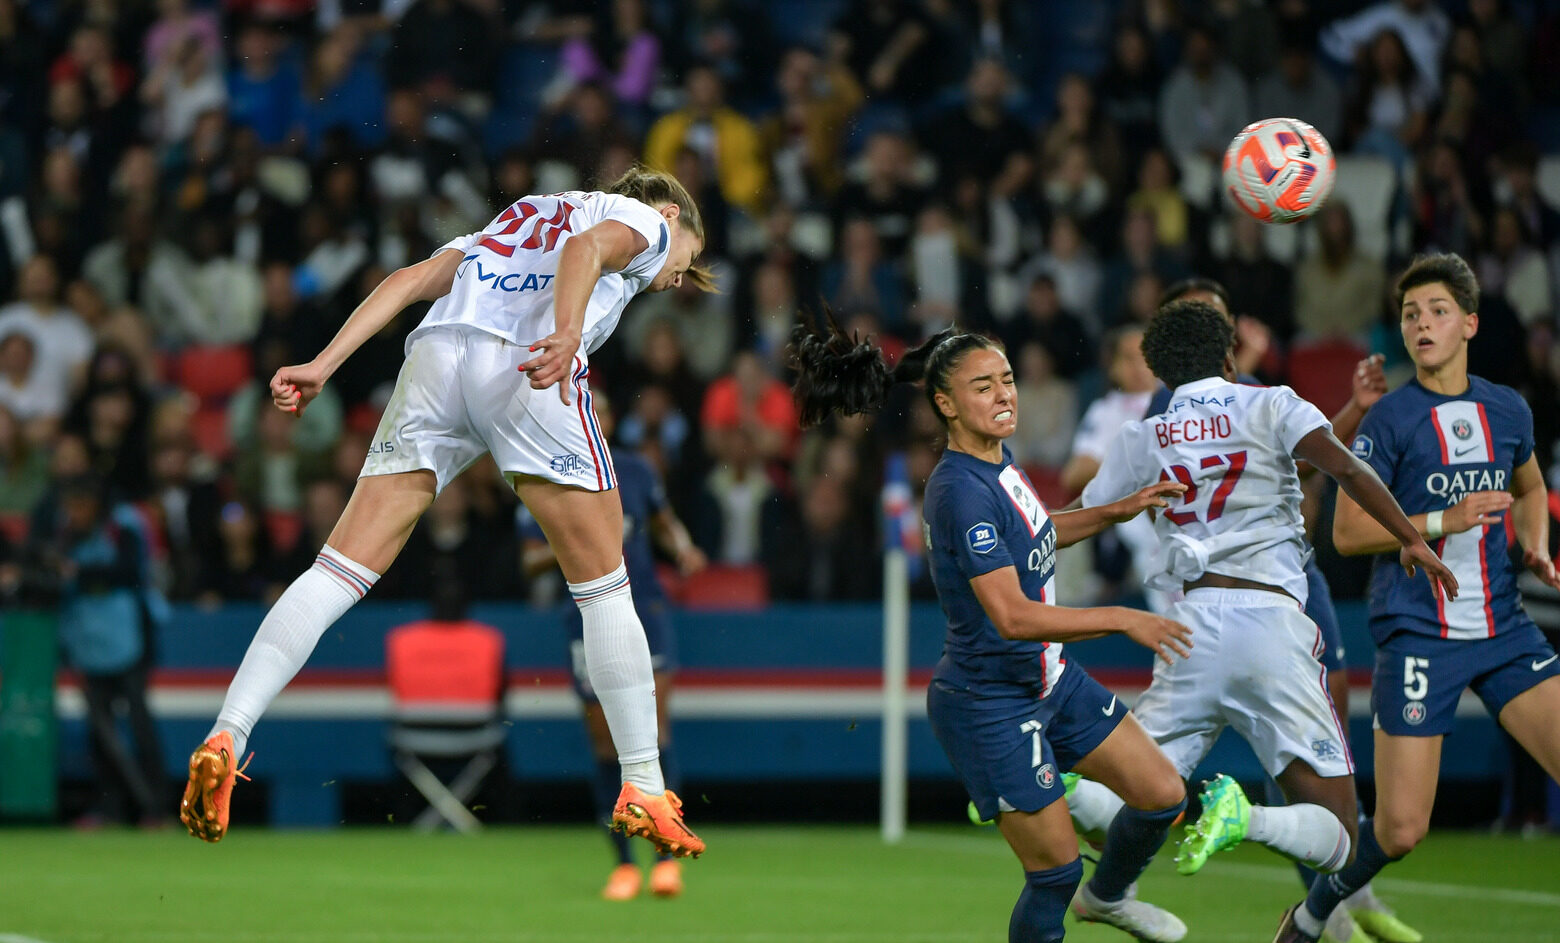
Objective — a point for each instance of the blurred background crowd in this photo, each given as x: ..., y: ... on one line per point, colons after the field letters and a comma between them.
x: 194, y: 193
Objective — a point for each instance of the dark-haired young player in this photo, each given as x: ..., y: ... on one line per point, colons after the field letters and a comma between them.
x: 1457, y: 451
x: 1009, y: 710
x: 1235, y: 543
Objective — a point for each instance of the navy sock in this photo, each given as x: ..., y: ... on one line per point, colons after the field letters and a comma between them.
x: 1330, y: 889
x: 1135, y: 836
x: 604, y: 787
x: 1037, y: 917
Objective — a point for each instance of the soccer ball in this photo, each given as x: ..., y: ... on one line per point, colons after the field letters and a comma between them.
x: 1279, y: 170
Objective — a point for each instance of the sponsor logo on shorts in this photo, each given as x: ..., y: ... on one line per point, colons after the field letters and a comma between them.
x: 1414, y: 713
x: 982, y: 537
x: 1046, y: 776
x: 1363, y: 446
x: 1325, y: 749
x: 572, y: 465
x: 381, y: 448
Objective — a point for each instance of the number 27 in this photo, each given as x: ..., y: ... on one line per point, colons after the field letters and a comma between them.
x: 1233, y: 465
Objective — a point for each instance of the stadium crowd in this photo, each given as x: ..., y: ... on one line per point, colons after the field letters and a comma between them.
x: 193, y: 194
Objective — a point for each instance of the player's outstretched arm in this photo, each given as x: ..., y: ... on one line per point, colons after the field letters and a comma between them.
x: 1359, y: 482
x: 1530, y: 515
x: 1016, y: 616
x: 293, y: 387
x: 1083, y: 523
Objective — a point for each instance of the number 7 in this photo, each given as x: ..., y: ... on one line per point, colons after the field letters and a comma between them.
x: 1032, y: 727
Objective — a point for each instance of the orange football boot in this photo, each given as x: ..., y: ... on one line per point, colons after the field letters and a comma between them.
x: 623, y: 883
x: 666, y: 878
x: 204, y: 810
x: 658, y: 818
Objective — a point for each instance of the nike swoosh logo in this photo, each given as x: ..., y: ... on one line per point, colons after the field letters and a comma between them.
x: 1461, y: 452
x: 1541, y: 665
x: 1108, y: 711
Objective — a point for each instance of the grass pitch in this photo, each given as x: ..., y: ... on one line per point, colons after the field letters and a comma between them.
x: 756, y: 885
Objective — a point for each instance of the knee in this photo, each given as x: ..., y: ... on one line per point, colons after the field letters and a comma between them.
x: 1162, y: 790
x: 1397, y: 836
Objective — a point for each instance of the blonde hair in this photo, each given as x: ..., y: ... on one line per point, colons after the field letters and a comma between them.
x: 657, y: 189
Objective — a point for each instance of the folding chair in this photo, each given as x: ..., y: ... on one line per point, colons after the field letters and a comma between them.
x: 446, y: 679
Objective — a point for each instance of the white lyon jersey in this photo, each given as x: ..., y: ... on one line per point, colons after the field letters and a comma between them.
x: 1233, y: 447
x: 504, y: 284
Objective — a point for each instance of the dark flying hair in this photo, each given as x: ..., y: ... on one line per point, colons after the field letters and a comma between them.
x: 1449, y: 269
x: 1186, y: 341
x: 842, y: 373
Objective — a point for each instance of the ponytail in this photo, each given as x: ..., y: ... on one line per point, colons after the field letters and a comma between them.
x: 841, y: 373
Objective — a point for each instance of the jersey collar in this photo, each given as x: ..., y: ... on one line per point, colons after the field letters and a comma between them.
x: 1197, y: 386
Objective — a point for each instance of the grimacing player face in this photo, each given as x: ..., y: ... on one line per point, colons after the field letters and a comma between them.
x: 982, y: 396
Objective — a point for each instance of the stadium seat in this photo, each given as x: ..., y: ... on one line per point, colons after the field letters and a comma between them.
x: 214, y: 372
x: 1048, y: 485
x: 1322, y: 372
x: 726, y: 587
x: 1368, y: 185
x: 447, y: 685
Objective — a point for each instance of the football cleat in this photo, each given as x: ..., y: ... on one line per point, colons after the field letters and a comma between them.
x: 1226, y: 813
x: 657, y: 818
x: 1130, y: 915
x: 204, y: 809
x: 1384, y: 926
x: 666, y: 878
x: 1289, y: 931
x: 623, y: 883
x: 974, y: 815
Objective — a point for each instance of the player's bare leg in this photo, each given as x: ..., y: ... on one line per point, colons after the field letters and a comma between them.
x: 373, y: 528
x: 1530, y: 718
x: 1048, y: 853
x: 1130, y: 765
x: 585, y: 531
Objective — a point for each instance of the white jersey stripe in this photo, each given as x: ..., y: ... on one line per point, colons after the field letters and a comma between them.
x: 1469, y: 615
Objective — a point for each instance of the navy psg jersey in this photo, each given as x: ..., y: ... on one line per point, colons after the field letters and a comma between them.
x: 1432, y: 451
x: 979, y: 517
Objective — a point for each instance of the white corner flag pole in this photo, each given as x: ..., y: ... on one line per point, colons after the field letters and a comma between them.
x: 896, y: 669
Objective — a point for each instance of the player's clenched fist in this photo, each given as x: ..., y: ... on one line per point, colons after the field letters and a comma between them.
x: 293, y: 388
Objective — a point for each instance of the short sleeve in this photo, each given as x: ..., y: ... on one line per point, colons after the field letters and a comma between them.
x: 463, y: 243
x: 1095, y: 429
x: 1522, y: 415
x: 967, y: 523
x: 1294, y: 418
x: 1117, y: 477
x: 645, y: 221
x: 1375, y: 445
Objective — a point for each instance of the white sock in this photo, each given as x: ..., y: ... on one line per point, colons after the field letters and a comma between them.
x: 287, y: 636
x: 1093, y: 808
x: 1305, y: 832
x: 1365, y: 899
x: 617, y: 658
x: 1308, y: 924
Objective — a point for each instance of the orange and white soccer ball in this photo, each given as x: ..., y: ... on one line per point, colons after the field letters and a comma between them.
x: 1279, y: 170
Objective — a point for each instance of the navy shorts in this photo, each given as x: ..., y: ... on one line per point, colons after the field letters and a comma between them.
x: 1319, y: 607
x: 658, y: 632
x: 1419, y: 678
x: 1010, y: 747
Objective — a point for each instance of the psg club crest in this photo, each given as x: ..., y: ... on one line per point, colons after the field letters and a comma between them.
x: 1046, y: 776
x: 1462, y: 429
x: 1414, y: 711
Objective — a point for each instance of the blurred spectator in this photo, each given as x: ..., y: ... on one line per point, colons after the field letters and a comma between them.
x: 1516, y: 186
x: 369, y: 375
x: 271, y: 468
x: 23, y: 71
x: 621, y: 52
x: 817, y: 550
x: 1070, y: 262
x: 113, y: 415
x: 315, y: 430
x: 443, y: 50
x: 90, y: 59
x: 342, y: 91
x: 63, y: 342
x: 220, y: 298
x: 24, y: 461
x: 1296, y: 87
x: 31, y: 399
x: 731, y: 507
x: 1512, y: 269
x: 732, y: 36
x: 1139, y: 253
x: 137, y: 267
x: 862, y: 279
x: 96, y: 553
x: 1045, y: 322
x: 184, y: 82
x: 1204, y: 102
x: 887, y: 192
x: 890, y: 46
x: 703, y: 321
x: 748, y: 414
x: 455, y: 534
x: 1129, y: 90
x: 578, y: 135
x: 1389, y: 105
x: 1504, y: 40
x: 947, y: 277
x: 184, y: 504
x: 1445, y: 215
x: 58, y: 209
x: 1258, y: 284
x: 1132, y: 384
x: 1339, y: 292
x: 1081, y: 123
x: 981, y: 138
x: 1157, y: 192
x: 775, y: 311
x: 264, y: 87
x: 243, y: 568
x: 290, y: 328
x: 726, y: 142
x: 1250, y: 31
x: 1073, y: 186
x: 1047, y: 410
x: 177, y: 25
x: 415, y: 168
x: 804, y: 135
x: 1421, y: 25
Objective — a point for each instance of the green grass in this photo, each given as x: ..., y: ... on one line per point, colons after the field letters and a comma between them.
x: 757, y: 885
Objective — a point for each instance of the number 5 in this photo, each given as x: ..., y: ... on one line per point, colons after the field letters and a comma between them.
x: 1416, y: 683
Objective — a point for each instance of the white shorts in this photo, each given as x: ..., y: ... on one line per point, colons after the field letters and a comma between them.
x: 1254, y: 667
x: 460, y: 394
